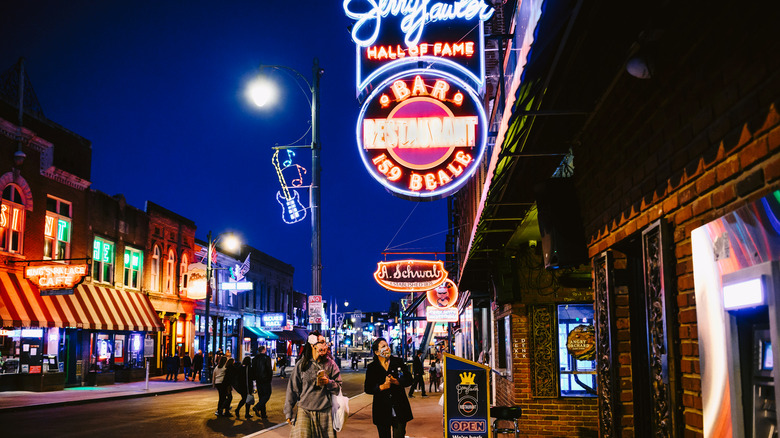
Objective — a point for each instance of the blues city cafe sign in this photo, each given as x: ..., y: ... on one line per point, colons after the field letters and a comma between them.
x: 394, y: 34
x: 421, y: 134
x: 466, y: 398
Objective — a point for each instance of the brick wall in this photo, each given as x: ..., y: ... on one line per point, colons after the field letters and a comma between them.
x: 695, y: 142
x: 542, y: 417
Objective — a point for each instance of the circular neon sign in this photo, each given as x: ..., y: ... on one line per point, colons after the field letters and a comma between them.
x: 421, y: 134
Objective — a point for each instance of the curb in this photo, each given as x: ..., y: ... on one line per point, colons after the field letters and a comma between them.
x: 99, y: 399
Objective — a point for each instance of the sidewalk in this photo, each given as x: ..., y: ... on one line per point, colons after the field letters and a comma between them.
x: 20, y: 400
x: 427, y: 421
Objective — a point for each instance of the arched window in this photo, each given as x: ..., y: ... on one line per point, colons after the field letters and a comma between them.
x: 12, y: 215
x: 184, y: 274
x: 170, y: 271
x: 155, y: 277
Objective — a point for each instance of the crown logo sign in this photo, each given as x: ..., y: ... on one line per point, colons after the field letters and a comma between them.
x: 467, y: 378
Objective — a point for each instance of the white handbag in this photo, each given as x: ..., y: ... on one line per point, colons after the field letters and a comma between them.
x: 340, y: 410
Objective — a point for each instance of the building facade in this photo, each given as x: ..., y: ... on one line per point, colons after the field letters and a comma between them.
x: 634, y: 174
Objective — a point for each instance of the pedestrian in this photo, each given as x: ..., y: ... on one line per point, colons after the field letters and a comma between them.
x: 175, y: 364
x: 168, y: 361
x: 243, y: 385
x: 222, y: 376
x: 386, y: 378
x: 197, y: 366
x: 314, y: 380
x: 354, y: 361
x: 211, y: 362
x: 186, y: 364
x: 432, y: 376
x: 419, y: 371
x: 282, y: 364
x: 261, y: 365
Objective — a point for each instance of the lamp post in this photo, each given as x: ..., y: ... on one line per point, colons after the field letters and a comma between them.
x: 231, y: 244
x: 259, y: 92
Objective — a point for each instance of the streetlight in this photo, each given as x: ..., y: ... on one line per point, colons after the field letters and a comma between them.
x: 231, y: 243
x: 261, y: 93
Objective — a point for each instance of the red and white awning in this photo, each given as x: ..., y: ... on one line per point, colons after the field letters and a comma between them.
x: 89, y: 307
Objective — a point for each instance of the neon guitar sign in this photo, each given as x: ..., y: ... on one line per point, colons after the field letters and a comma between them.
x: 292, y: 209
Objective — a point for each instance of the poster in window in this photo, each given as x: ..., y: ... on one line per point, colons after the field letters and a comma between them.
x: 581, y: 342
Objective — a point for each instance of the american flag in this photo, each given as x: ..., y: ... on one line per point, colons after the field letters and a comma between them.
x: 244, y: 268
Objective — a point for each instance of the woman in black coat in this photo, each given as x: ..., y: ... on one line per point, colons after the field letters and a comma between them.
x: 386, y: 378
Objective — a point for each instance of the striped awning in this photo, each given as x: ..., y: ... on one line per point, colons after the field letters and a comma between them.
x: 89, y: 307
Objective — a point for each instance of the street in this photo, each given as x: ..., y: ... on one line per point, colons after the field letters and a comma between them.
x: 181, y: 414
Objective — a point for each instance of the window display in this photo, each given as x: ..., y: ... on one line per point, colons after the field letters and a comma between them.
x: 577, y: 350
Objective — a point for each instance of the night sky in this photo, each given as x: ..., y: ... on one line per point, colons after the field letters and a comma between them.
x: 158, y: 88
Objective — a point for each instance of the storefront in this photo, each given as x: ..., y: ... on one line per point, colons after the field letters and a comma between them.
x: 92, y: 336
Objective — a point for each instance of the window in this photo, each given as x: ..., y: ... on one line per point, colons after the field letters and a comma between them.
x: 133, y: 263
x: 155, y: 274
x: 577, y: 350
x: 504, y: 348
x: 56, y: 231
x: 11, y: 220
x: 170, y: 272
x: 103, y: 261
x: 184, y: 274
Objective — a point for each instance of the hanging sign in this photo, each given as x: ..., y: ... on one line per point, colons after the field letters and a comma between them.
x: 410, y: 275
x: 292, y: 209
x: 421, y: 134
x: 443, y: 34
x: 443, y: 296
x: 466, y: 398
x: 437, y: 314
x: 51, y: 277
x: 274, y: 320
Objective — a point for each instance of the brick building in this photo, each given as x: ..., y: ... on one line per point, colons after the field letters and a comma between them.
x: 659, y: 121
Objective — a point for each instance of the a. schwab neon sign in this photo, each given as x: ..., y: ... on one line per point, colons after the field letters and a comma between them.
x: 421, y: 133
x: 391, y: 33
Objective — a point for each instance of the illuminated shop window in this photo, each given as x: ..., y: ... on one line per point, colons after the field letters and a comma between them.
x: 155, y: 274
x: 184, y: 274
x: 11, y: 220
x: 103, y: 261
x: 577, y: 350
x: 170, y: 272
x: 56, y: 230
x: 133, y: 262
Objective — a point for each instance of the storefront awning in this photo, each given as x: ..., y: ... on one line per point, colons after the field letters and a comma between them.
x: 260, y: 333
x: 89, y: 307
x: 291, y: 335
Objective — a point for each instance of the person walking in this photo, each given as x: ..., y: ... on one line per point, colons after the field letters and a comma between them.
x: 386, y: 378
x: 197, y: 366
x: 222, y: 375
x: 167, y: 364
x: 419, y: 370
x: 261, y: 366
x: 243, y: 385
x: 175, y: 365
x: 186, y: 364
x: 282, y: 364
x: 314, y: 380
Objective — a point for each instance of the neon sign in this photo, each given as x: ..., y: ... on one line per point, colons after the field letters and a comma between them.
x: 410, y: 275
x: 274, y: 319
x: 444, y: 33
x: 292, y: 209
x: 443, y: 296
x: 56, y: 276
x: 421, y: 133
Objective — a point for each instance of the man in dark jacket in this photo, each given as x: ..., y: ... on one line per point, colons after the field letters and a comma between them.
x: 197, y: 366
x: 175, y: 364
x: 418, y: 370
x: 186, y: 363
x: 263, y: 372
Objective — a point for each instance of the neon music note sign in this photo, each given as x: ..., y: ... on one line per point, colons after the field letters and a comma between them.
x: 292, y: 209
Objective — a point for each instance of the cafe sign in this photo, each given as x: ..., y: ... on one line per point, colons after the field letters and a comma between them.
x: 410, y: 275
x: 56, y: 276
x: 421, y: 134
